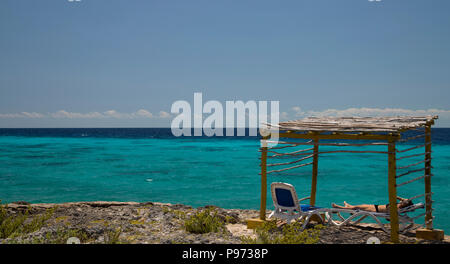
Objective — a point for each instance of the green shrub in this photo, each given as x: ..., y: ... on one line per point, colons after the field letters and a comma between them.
x: 205, y: 221
x: 38, y: 222
x: 9, y: 225
x: 15, y: 225
x: 112, y: 236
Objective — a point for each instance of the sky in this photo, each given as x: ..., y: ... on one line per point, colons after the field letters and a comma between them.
x: 122, y: 63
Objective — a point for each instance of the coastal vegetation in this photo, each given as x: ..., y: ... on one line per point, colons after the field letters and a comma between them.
x: 113, y: 236
x: 204, y: 221
x: 270, y: 233
x: 14, y: 225
x: 157, y: 223
x: 61, y: 235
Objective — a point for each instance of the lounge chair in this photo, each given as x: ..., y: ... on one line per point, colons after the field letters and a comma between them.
x: 287, y: 206
x: 406, y: 222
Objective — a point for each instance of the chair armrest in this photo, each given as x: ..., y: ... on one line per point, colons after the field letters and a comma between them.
x: 306, y: 198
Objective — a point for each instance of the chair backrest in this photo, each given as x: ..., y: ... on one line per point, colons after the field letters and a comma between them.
x: 284, y: 196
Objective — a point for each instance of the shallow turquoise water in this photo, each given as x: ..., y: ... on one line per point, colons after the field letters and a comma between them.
x: 197, y: 172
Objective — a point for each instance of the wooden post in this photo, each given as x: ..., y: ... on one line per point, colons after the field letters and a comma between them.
x: 393, y: 211
x: 314, y: 172
x: 428, y: 232
x: 428, y: 205
x: 262, y: 212
x: 257, y: 222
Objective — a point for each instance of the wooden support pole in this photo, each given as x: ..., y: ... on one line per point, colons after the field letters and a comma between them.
x: 262, y: 212
x: 314, y: 172
x: 428, y: 202
x: 429, y: 232
x: 393, y: 211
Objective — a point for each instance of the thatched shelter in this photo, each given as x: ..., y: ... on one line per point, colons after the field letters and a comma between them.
x: 343, y: 131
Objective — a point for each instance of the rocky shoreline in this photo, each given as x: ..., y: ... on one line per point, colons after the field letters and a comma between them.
x: 152, y: 223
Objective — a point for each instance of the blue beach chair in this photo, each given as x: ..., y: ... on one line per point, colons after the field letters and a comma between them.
x: 288, y: 207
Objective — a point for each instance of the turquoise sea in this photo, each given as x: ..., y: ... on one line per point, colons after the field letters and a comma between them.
x: 64, y: 165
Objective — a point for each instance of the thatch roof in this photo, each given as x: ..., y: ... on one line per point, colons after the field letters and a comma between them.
x: 357, y: 124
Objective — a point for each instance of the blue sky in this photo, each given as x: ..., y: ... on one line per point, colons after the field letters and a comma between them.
x: 117, y: 63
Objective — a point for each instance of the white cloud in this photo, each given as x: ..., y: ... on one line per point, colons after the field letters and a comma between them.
x: 284, y: 116
x: 297, y: 113
x: 11, y: 116
x: 115, y: 114
x: 32, y: 115
x: 296, y: 109
x: 163, y: 114
x: 143, y: 113
x: 23, y: 115
x: 365, y: 111
x: 65, y: 114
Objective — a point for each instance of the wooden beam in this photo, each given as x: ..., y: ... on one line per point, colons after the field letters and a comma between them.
x: 356, y: 124
x: 254, y: 223
x: 428, y: 202
x: 338, y: 136
x: 314, y: 172
x: 427, y: 234
x: 262, y: 212
x: 392, y: 192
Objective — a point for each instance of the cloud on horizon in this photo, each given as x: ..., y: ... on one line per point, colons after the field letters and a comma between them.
x: 63, y: 114
x: 365, y: 111
x: 295, y: 112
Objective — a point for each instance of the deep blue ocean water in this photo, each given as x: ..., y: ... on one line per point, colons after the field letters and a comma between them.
x: 149, y: 164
